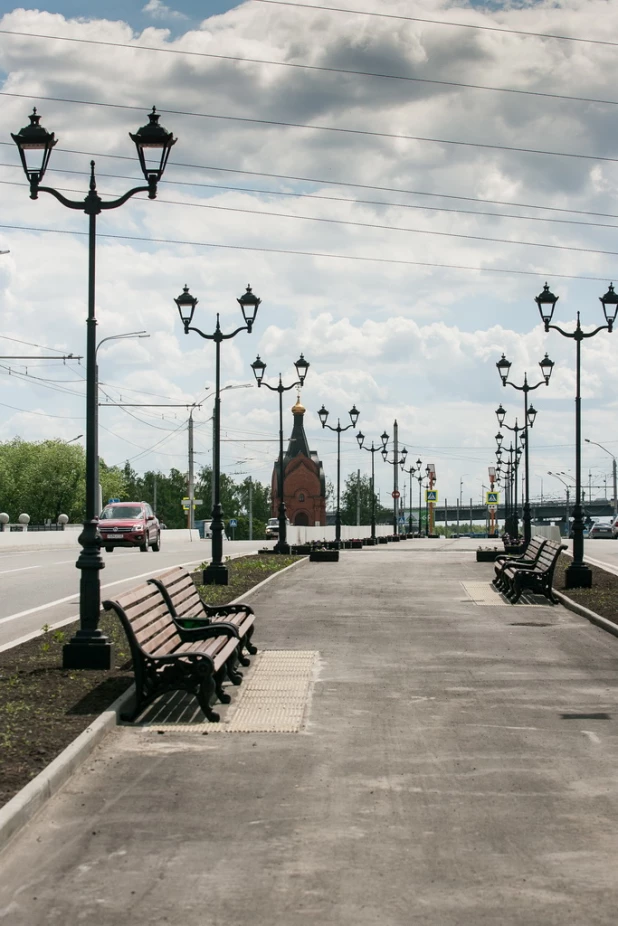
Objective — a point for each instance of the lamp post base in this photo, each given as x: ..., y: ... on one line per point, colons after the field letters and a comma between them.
x: 215, y: 574
x: 283, y: 548
x: 578, y: 575
x: 88, y: 655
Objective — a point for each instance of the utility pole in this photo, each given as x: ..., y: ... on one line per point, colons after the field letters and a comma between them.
x: 358, y: 497
x: 250, y: 508
x: 154, y: 492
x: 396, y: 478
x: 191, y: 519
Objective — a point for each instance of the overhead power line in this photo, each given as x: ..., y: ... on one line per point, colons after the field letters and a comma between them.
x: 186, y: 53
x: 441, y: 22
x: 277, y: 123
x: 298, y: 253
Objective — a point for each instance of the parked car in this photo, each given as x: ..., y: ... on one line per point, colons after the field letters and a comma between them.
x: 602, y: 527
x: 129, y: 524
x: 208, y: 531
x: 272, y: 528
x: 615, y: 527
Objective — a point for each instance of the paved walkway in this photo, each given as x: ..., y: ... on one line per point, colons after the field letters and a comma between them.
x: 458, y: 767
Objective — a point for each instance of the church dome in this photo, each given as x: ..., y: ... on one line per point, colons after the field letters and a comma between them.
x: 298, y: 409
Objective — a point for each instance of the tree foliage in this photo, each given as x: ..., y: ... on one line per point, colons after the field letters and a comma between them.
x: 349, y: 501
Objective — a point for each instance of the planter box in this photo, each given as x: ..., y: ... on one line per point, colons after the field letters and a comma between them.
x: 301, y: 550
x: 487, y: 556
x: 382, y: 539
x: 356, y: 544
x: 324, y: 556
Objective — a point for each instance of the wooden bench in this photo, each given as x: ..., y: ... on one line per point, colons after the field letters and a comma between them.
x: 187, y: 608
x: 539, y: 579
x: 528, y: 561
x: 167, y: 657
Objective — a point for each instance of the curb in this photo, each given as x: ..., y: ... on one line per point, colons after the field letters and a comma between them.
x: 25, y: 804
x: 591, y: 616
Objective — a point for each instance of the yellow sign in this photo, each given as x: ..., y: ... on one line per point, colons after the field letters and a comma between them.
x: 431, y: 496
x: 492, y: 499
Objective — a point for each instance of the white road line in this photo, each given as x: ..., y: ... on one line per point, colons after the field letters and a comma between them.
x: 7, y: 572
x: 51, y: 604
x: 593, y: 737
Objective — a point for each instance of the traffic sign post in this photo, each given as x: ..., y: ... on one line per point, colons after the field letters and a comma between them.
x: 431, y: 496
x: 233, y: 523
x: 186, y: 503
x: 492, y: 499
x: 396, y: 494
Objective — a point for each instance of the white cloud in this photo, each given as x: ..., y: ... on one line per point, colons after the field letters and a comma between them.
x: 403, y: 340
x: 159, y: 10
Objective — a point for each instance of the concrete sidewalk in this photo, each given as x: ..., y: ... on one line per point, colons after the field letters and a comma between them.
x: 458, y: 766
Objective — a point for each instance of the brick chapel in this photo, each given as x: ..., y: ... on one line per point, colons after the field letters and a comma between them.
x: 305, y: 484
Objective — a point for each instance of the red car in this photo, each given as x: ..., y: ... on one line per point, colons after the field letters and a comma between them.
x: 129, y: 524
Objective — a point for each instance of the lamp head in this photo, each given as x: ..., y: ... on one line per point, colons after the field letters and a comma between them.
x: 323, y: 415
x: 259, y: 368
x: 249, y: 303
x: 360, y: 437
x: 301, y: 368
x: 610, y: 306
x: 547, y: 368
x: 532, y: 413
x: 500, y: 415
x: 384, y: 439
x: 154, y: 142
x: 354, y: 413
x: 35, y: 145
x: 186, y: 306
x: 404, y: 454
x: 504, y: 366
x: 546, y: 302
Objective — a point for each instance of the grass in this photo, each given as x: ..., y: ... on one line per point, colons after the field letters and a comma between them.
x: 44, y: 707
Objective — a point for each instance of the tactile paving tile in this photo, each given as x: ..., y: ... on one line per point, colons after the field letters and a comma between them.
x: 484, y: 593
x: 273, y: 698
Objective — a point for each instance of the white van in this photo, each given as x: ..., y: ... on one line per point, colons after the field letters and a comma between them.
x: 208, y: 531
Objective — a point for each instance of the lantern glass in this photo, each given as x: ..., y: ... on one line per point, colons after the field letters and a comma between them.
x: 404, y: 454
x: 35, y: 145
x: 153, y: 144
x: 546, y: 302
x: 354, y: 414
x: 610, y: 306
x: 186, y: 306
x: 503, y: 366
x: 259, y: 368
x: 323, y: 415
x: 384, y: 438
x: 500, y: 415
x: 249, y: 303
x: 360, y: 437
x: 301, y: 368
x: 532, y: 413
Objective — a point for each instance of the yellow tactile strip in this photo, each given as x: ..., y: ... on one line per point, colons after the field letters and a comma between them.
x: 273, y: 698
x: 484, y: 593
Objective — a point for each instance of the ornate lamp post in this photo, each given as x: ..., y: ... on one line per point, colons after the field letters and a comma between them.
x: 410, y: 470
x: 399, y: 459
x: 578, y: 573
x: 515, y: 457
x: 323, y: 415
x: 259, y: 368
x: 568, y: 490
x: 90, y: 648
x: 614, y: 474
x: 419, y: 478
x: 547, y: 367
x: 217, y: 572
x: 360, y: 437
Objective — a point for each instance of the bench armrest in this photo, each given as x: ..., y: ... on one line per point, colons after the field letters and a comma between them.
x: 207, y: 632
x: 212, y: 610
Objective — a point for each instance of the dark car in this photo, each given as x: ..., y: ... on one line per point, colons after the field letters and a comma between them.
x: 601, y: 528
x: 129, y: 524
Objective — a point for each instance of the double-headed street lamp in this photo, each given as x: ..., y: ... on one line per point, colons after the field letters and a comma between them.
x: 259, y: 368
x: 410, y: 470
x: 90, y: 648
x: 516, y: 453
x: 578, y: 573
x: 217, y: 572
x: 360, y: 437
x: 614, y: 475
x: 323, y: 415
x: 568, y: 489
x: 547, y: 367
x: 399, y: 459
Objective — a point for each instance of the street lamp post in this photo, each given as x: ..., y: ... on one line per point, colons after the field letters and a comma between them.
x: 216, y: 573
x: 323, y: 415
x: 360, y: 437
x: 259, y: 368
x: 90, y: 648
x: 420, y: 480
x: 567, y: 509
x: 399, y: 459
x: 614, y: 475
x: 410, y: 470
x: 547, y: 367
x: 578, y: 573
x: 530, y: 415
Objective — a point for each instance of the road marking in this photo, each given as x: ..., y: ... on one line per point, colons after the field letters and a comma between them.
x: 51, y: 604
x: 7, y: 572
x: 593, y: 737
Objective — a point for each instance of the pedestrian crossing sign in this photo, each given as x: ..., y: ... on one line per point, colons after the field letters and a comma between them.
x: 492, y: 499
x: 431, y: 495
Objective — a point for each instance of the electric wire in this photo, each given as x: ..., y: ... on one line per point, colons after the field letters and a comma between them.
x: 440, y: 22
x: 353, y: 72
x: 278, y: 123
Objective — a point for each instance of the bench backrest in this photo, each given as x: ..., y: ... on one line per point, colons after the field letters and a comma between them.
x: 534, y: 548
x: 147, y: 621
x: 178, y: 587
x: 548, y: 556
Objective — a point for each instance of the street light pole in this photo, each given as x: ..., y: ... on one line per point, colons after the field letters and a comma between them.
x: 217, y: 572
x: 520, y: 443
x: 90, y: 648
x: 360, y: 437
x: 410, y: 470
x: 567, y: 509
x: 614, y: 479
x: 259, y: 368
x: 323, y: 415
x: 398, y: 460
x: 547, y: 367
x: 578, y: 573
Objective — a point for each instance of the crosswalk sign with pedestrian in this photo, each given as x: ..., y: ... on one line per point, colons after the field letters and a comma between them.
x: 431, y: 495
x: 492, y: 498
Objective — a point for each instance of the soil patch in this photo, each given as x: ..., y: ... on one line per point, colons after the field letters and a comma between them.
x: 44, y: 707
x: 602, y: 598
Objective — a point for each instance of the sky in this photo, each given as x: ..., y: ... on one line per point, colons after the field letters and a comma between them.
x: 395, y: 190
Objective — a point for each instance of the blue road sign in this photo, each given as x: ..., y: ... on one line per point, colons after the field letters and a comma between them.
x: 233, y: 522
x: 112, y: 501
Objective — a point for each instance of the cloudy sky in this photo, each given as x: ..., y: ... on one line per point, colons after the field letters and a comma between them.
x: 396, y: 190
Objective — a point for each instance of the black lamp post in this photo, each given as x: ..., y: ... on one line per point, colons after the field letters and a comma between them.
x: 399, y: 459
x: 515, y: 457
x: 547, y: 367
x: 323, y: 415
x: 420, y: 480
x: 410, y: 470
x: 360, y: 437
x: 259, y: 368
x: 578, y: 573
x: 90, y: 648
x: 217, y: 572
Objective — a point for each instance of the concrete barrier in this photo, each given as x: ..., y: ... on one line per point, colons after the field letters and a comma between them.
x: 299, y: 535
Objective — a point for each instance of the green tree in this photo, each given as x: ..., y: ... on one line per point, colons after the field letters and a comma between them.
x: 349, y: 500
x: 43, y: 479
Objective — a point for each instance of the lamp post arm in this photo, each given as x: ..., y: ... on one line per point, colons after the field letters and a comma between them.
x: 114, y: 203
x: 578, y: 334
x: 526, y: 387
x: 217, y: 335
x: 69, y: 203
x: 281, y: 387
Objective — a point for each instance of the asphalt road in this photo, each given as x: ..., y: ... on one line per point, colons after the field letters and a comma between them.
x: 42, y: 587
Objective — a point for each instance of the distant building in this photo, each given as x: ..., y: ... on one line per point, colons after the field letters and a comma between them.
x: 305, y: 485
